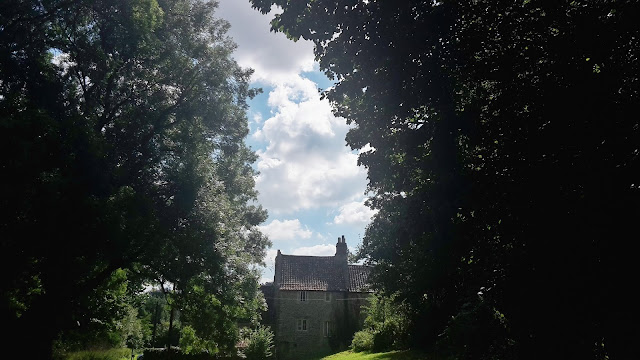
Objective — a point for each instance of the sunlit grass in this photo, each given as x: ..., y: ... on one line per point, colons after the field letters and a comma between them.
x: 111, y: 354
x: 391, y: 355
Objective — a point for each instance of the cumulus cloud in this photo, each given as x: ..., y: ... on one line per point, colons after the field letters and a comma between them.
x: 256, y: 118
x: 270, y: 54
x: 286, y: 230
x: 316, y: 250
x: 306, y: 163
x: 366, y: 148
x: 354, y: 213
x: 303, y: 159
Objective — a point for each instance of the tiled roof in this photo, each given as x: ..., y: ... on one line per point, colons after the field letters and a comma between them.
x: 324, y: 273
x: 358, y: 276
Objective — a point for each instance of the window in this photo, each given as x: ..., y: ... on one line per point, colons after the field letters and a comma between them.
x: 302, y: 324
x: 327, y: 296
x: 303, y: 296
x: 328, y: 329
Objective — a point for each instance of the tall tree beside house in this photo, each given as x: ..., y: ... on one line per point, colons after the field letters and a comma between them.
x: 504, y: 163
x: 121, y: 136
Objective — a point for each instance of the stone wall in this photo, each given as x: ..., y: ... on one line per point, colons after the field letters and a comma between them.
x: 268, y: 316
x: 343, y: 311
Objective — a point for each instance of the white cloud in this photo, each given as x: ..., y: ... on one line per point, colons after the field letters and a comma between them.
x: 286, y: 230
x: 321, y: 237
x: 306, y: 163
x: 354, y: 213
x: 270, y: 54
x: 257, y: 118
x: 316, y: 250
x: 61, y: 60
x: 366, y: 148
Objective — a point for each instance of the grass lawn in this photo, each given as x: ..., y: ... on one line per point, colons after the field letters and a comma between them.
x: 391, y: 355
x: 111, y: 354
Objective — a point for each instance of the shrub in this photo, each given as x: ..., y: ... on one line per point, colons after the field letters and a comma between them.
x: 191, y: 343
x: 477, y: 330
x: 259, y: 344
x: 383, y: 339
x: 387, y: 324
x: 362, y: 340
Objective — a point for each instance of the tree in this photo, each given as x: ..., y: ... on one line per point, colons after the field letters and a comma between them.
x: 156, y: 310
x: 107, y: 319
x: 385, y: 327
x: 503, y: 140
x: 122, y: 148
x: 259, y: 343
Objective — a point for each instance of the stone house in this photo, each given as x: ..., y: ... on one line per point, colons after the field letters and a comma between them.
x: 315, y: 303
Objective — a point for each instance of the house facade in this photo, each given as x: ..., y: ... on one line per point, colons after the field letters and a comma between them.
x: 315, y: 303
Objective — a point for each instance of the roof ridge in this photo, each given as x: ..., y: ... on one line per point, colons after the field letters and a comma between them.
x: 326, y: 273
x: 309, y: 256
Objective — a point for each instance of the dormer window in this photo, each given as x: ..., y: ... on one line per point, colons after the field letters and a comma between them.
x: 303, y: 296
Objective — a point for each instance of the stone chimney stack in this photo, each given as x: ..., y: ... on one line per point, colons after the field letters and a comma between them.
x: 341, y: 249
x: 341, y: 261
x: 278, y: 270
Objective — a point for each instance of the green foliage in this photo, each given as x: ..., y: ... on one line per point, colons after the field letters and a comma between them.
x: 477, y: 329
x: 190, y: 343
x: 111, y: 319
x: 156, y: 312
x: 386, y: 326
x: 111, y: 354
x: 362, y: 340
x: 134, y: 332
x: 259, y: 343
x: 122, y: 126
x: 503, y: 156
x: 214, y: 318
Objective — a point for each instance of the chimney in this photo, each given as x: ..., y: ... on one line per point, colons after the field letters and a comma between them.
x: 277, y: 273
x: 341, y: 262
x: 341, y: 249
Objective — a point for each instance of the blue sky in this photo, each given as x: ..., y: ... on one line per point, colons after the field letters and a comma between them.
x: 309, y: 179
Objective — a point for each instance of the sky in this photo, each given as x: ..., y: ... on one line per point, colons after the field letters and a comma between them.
x: 309, y: 180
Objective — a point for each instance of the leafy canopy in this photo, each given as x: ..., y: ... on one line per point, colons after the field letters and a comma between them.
x: 122, y: 126
x: 503, y: 152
